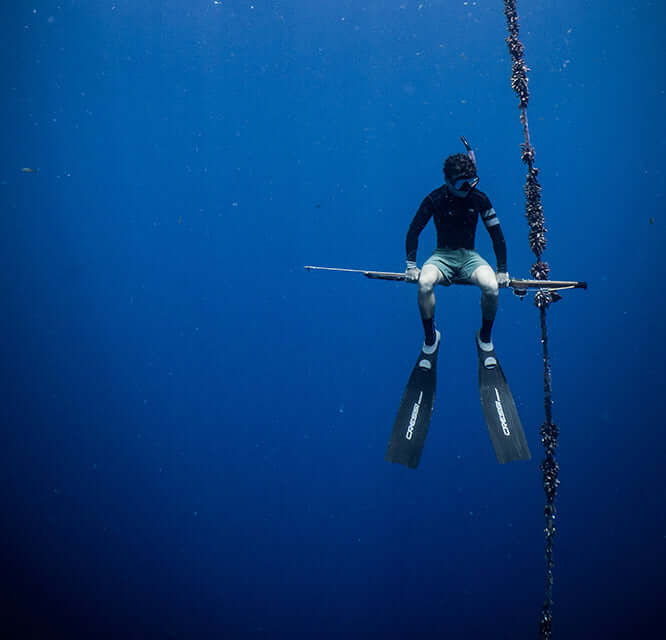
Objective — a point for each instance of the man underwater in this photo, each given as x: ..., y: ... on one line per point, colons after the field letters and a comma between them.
x: 455, y: 207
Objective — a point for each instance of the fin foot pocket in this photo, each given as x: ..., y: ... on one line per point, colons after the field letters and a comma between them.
x: 429, y: 349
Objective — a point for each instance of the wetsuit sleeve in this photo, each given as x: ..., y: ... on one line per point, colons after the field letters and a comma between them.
x: 418, y: 224
x: 491, y: 221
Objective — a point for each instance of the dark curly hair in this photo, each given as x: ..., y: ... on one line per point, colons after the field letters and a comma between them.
x: 459, y: 165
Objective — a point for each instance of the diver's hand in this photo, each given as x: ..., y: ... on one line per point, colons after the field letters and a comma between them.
x: 412, y: 272
x: 502, y: 279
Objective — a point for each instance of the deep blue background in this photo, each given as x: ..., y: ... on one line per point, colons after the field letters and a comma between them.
x: 193, y: 427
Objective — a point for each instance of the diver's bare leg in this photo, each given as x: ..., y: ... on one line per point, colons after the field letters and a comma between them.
x: 484, y: 278
x: 430, y: 277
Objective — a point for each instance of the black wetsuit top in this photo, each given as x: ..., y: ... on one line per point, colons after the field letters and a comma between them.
x: 455, y: 220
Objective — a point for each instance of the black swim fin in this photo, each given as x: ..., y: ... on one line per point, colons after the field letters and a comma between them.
x: 413, y: 419
x: 499, y: 409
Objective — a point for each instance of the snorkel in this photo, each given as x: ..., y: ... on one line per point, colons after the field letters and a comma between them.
x: 470, y: 151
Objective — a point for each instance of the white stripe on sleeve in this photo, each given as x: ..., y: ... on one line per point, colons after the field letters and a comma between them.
x: 489, y: 218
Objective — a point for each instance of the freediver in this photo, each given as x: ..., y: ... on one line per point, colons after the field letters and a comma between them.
x: 455, y: 208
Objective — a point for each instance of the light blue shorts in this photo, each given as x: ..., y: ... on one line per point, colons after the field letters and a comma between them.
x: 456, y: 265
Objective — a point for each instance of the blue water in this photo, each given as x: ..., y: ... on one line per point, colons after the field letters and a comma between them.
x: 193, y: 427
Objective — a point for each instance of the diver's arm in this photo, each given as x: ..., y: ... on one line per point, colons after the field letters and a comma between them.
x: 492, y: 224
x: 499, y: 245
x: 418, y: 224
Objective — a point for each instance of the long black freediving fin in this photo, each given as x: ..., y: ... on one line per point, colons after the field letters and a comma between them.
x: 413, y: 419
x: 499, y: 409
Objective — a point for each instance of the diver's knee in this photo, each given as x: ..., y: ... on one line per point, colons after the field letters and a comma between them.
x: 426, y: 288
x: 490, y: 288
x: 426, y: 283
x: 486, y: 280
x: 428, y: 278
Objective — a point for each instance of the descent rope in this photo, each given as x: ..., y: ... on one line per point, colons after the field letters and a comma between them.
x: 542, y: 299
